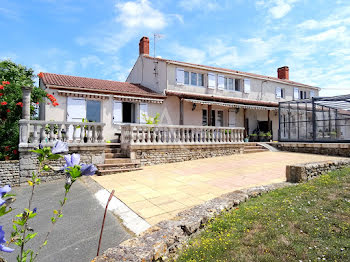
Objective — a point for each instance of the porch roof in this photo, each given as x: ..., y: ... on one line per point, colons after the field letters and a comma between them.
x: 233, y: 105
x: 225, y: 101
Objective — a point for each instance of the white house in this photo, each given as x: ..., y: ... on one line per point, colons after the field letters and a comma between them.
x: 182, y: 93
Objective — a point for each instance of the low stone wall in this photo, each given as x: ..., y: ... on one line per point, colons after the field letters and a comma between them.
x: 304, y: 172
x: 162, y: 240
x: 9, y: 173
x: 161, y: 154
x: 331, y: 149
x: 18, y: 172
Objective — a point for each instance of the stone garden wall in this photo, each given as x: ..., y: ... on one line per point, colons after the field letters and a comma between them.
x: 160, y: 154
x: 9, y: 173
x: 304, y: 172
x: 331, y: 149
x: 19, y: 172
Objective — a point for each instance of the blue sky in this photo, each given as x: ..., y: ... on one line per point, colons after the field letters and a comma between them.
x: 95, y: 38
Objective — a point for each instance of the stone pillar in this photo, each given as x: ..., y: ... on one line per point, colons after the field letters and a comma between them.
x: 26, y: 91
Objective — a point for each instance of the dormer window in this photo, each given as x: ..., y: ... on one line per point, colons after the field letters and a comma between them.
x: 188, y: 78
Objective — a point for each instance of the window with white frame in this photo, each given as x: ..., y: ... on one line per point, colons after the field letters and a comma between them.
x: 221, y: 82
x: 247, y: 86
x: 204, y: 117
x: 229, y: 84
x: 189, y: 78
x: 302, y: 94
x: 211, y: 81
x: 296, y: 93
x: 220, y: 118
x: 280, y: 92
x: 186, y: 77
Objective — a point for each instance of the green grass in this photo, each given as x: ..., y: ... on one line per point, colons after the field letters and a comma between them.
x: 307, y: 222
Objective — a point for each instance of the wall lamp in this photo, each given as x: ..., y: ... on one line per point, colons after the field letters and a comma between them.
x: 194, y: 106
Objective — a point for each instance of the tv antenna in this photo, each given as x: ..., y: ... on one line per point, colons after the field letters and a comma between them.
x: 155, y: 37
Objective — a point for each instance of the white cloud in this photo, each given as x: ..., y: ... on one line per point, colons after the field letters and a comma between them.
x: 140, y: 14
x: 188, y: 54
x: 276, y: 8
x: 207, y: 5
x: 330, y: 34
x: 90, y: 60
x: 69, y: 67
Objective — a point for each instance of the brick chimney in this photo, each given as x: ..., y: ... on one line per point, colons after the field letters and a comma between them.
x: 144, y: 46
x: 283, y: 72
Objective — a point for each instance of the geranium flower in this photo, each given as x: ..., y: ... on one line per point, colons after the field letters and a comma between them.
x: 15, y: 152
x: 1, y: 87
x: 41, y: 75
x: 7, y: 148
x: 4, y: 190
x: 8, y: 110
x: 1, y: 94
x: 4, y: 103
x: 20, y: 104
x: 55, y: 104
x: 2, y: 241
x: 59, y: 147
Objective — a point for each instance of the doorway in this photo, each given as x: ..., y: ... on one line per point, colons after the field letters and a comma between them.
x: 128, y: 112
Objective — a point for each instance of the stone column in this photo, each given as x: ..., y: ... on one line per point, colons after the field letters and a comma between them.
x: 26, y: 91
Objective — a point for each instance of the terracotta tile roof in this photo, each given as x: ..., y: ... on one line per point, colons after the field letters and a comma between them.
x: 221, y: 99
x: 234, y: 72
x: 96, y: 84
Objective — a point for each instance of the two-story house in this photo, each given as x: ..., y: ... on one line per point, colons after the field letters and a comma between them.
x: 182, y: 93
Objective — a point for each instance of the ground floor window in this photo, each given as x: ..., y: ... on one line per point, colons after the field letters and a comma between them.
x: 80, y: 108
x: 220, y: 120
x: 126, y: 112
x: 93, y: 111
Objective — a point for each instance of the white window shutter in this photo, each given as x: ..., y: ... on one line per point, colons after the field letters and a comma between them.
x: 180, y: 76
x: 76, y: 109
x: 221, y: 82
x: 296, y: 93
x: 211, y: 81
x: 117, y: 112
x: 143, y: 113
x: 312, y: 94
x: 247, y: 86
x: 278, y: 92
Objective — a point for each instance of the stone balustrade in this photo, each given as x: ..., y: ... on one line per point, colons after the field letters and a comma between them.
x: 143, y: 134
x: 33, y: 132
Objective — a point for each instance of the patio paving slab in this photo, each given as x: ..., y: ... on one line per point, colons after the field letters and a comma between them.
x: 160, y: 192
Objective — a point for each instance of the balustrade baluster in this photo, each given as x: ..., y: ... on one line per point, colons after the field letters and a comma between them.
x: 59, y: 132
x: 35, y: 134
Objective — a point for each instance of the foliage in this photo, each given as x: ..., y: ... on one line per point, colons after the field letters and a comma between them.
x: 22, y: 232
x: 268, y: 134
x: 151, y: 120
x: 12, y: 78
x: 307, y: 222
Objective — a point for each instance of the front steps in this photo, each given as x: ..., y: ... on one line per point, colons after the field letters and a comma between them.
x: 253, y: 148
x: 115, y: 161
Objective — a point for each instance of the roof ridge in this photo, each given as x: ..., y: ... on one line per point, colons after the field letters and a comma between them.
x: 232, y: 71
x: 89, y: 78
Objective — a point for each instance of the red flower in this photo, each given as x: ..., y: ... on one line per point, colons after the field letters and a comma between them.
x: 8, y: 110
x: 1, y: 87
x: 1, y: 94
x: 37, y: 103
x: 55, y: 104
x: 7, y: 148
x: 15, y: 151
x: 4, y: 103
x: 20, y: 104
x: 41, y: 75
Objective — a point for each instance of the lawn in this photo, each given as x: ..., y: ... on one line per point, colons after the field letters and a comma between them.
x: 307, y: 222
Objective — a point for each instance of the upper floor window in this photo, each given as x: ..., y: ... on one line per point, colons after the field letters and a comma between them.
x: 211, y: 81
x: 229, y: 84
x: 302, y: 94
x: 280, y: 92
x: 238, y: 84
x: 221, y: 82
x: 189, y: 78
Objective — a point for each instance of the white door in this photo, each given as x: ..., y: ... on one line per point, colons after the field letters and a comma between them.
x: 117, y: 112
x: 76, y: 111
x: 231, y: 118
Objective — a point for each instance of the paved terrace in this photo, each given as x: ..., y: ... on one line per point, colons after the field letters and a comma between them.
x: 160, y: 192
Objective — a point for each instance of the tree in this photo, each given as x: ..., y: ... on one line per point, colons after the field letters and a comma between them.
x: 12, y: 77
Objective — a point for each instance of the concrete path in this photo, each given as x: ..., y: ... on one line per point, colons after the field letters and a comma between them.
x: 76, y: 235
x: 160, y: 192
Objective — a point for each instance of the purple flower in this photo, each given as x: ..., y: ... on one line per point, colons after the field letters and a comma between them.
x: 2, y: 241
x: 88, y: 170
x: 41, y: 146
x: 4, y: 190
x: 71, y: 160
x: 34, y: 210
x: 60, y: 147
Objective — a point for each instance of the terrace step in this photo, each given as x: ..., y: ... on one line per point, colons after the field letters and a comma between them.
x: 116, y: 166
x: 117, y: 160
x: 115, y: 171
x: 113, y: 150
x: 113, y: 145
x: 114, y: 155
x: 256, y: 150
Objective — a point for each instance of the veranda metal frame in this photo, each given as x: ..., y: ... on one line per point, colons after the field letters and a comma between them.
x: 318, y: 119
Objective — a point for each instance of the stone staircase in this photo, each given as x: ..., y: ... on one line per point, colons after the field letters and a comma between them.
x: 253, y: 148
x: 115, y: 161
